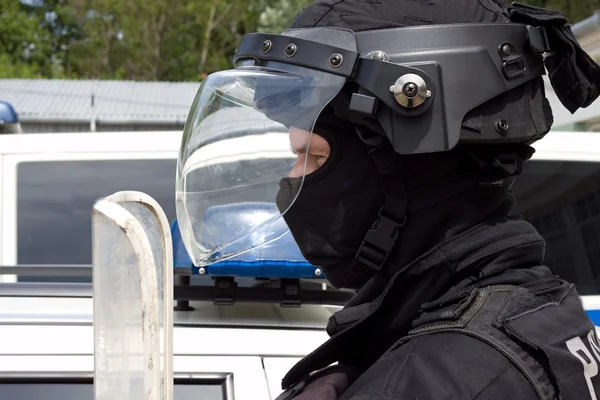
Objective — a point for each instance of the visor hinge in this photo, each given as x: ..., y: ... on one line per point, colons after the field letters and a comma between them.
x: 381, y: 238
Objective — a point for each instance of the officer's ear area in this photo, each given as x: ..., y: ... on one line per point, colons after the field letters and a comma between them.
x: 493, y: 165
x: 499, y: 166
x: 425, y: 170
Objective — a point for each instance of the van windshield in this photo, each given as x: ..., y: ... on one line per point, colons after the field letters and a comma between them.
x: 560, y: 198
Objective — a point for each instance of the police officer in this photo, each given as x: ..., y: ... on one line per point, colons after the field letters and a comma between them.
x: 409, y: 121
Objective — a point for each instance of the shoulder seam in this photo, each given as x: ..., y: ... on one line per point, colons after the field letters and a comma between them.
x: 401, y: 368
x: 508, y: 367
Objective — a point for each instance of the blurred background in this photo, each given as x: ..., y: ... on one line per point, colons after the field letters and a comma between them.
x: 94, y: 95
x: 111, y: 65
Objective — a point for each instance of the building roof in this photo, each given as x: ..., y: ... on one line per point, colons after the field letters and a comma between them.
x: 113, y: 101
x: 122, y: 102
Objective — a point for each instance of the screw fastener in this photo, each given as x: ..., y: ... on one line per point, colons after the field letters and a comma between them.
x: 266, y: 46
x: 290, y: 50
x: 336, y: 60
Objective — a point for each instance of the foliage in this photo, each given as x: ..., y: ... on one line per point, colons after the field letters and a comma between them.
x: 168, y: 40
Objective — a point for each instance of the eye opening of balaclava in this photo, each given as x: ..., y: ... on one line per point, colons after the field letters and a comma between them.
x: 337, y: 203
x: 345, y: 200
x: 348, y: 199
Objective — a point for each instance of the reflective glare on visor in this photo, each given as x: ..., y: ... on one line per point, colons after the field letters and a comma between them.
x: 236, y: 150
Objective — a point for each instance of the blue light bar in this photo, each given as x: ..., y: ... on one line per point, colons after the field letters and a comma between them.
x: 9, y: 120
x: 181, y: 258
x: 594, y: 315
x: 8, y: 115
x: 255, y: 263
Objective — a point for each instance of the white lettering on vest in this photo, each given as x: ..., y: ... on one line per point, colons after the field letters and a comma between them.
x: 590, y: 368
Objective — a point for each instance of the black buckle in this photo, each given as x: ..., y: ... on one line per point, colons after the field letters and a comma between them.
x: 225, y: 291
x: 379, y: 242
x: 538, y: 39
x: 512, y: 62
x: 510, y: 163
x: 507, y: 165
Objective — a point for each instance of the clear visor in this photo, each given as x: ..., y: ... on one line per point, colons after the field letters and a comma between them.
x: 248, y: 130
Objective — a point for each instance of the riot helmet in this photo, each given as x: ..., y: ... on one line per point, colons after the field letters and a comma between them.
x: 268, y: 130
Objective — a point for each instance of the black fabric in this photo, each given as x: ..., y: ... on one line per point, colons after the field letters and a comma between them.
x: 525, y: 108
x: 336, y: 205
x: 533, y: 341
x: 573, y: 74
x: 442, y: 366
x: 456, y: 237
x: 505, y: 249
x: 549, y: 321
x: 479, y: 318
x: 361, y: 15
x: 327, y: 384
x: 517, y: 320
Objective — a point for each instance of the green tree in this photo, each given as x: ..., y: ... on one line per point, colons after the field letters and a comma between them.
x: 574, y: 10
x: 57, y: 19
x: 276, y: 18
x: 24, y: 43
x: 170, y: 40
x: 159, y: 39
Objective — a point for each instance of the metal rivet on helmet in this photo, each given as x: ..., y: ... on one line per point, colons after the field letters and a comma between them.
x: 501, y: 127
x: 377, y: 55
x: 290, y: 50
x: 506, y: 50
x: 266, y: 46
x: 336, y: 60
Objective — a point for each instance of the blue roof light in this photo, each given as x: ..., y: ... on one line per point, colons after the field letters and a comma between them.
x: 8, y: 115
x: 279, y: 259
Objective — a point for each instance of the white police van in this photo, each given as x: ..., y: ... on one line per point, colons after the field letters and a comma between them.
x: 48, y: 184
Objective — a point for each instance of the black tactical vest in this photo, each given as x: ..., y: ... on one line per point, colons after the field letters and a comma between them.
x: 540, y: 327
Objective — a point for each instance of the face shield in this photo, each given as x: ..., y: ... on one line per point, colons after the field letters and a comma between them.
x: 237, y: 147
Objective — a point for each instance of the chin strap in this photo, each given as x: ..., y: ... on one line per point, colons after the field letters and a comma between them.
x: 380, y: 239
x: 501, y: 166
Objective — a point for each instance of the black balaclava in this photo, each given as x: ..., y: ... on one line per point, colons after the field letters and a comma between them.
x: 336, y: 204
x: 339, y: 202
x: 442, y: 193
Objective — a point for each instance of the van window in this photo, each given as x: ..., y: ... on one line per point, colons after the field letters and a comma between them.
x: 55, y: 199
x: 562, y: 200
x: 33, y: 390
